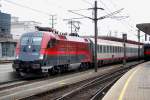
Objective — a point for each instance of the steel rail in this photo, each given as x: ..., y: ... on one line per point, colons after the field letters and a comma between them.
x: 101, y: 80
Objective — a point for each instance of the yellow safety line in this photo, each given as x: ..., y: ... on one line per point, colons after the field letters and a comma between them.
x: 126, y: 84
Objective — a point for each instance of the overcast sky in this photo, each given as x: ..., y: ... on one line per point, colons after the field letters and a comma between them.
x: 137, y: 10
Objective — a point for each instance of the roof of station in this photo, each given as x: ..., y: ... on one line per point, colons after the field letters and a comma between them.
x: 144, y: 27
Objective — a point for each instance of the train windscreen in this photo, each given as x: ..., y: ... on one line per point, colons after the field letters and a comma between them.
x: 31, y: 40
x: 30, y: 44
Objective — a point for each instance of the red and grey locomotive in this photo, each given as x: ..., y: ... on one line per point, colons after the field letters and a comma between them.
x: 40, y: 51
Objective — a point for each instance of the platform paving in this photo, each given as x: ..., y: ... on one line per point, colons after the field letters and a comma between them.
x: 134, y: 85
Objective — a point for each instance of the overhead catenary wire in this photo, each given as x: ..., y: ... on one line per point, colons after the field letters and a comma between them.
x: 132, y: 28
x: 80, y: 14
x: 128, y: 25
x: 23, y: 6
x: 79, y: 10
x: 87, y: 2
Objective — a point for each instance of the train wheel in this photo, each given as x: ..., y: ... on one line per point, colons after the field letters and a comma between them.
x: 83, y: 66
x: 65, y: 67
x: 52, y: 71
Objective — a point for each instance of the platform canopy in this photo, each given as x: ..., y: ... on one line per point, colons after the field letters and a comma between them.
x: 144, y: 27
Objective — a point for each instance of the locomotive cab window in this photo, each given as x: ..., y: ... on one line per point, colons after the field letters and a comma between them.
x: 51, y: 43
x: 36, y: 40
x: 25, y: 40
x: 31, y: 40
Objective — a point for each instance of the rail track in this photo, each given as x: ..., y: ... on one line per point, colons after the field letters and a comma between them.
x: 93, y: 89
x: 22, y: 81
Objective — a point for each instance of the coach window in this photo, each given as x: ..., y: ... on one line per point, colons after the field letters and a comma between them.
x: 107, y: 49
x: 120, y: 49
x: 98, y: 48
x: 103, y: 49
x: 110, y: 49
x: 114, y: 49
x: 117, y: 49
x: 126, y: 49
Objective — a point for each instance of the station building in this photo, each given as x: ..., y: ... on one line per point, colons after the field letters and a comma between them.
x: 19, y: 27
x: 5, y: 25
x: 7, y: 44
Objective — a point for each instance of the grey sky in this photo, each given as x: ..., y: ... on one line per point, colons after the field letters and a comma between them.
x: 136, y: 9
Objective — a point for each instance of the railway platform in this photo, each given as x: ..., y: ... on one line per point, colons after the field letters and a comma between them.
x: 134, y: 85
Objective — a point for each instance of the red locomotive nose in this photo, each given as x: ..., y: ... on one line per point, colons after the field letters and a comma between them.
x: 45, y: 39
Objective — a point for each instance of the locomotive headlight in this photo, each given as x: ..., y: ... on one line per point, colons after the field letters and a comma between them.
x: 41, y: 56
x: 17, y: 56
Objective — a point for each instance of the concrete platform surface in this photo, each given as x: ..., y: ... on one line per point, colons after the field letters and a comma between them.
x: 134, y: 85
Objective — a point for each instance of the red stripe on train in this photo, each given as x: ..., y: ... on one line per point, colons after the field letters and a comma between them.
x: 147, y: 52
x: 66, y: 52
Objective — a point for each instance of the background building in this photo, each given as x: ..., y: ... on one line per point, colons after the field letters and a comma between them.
x: 20, y: 27
x: 7, y: 44
x: 5, y: 20
x: 10, y: 31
